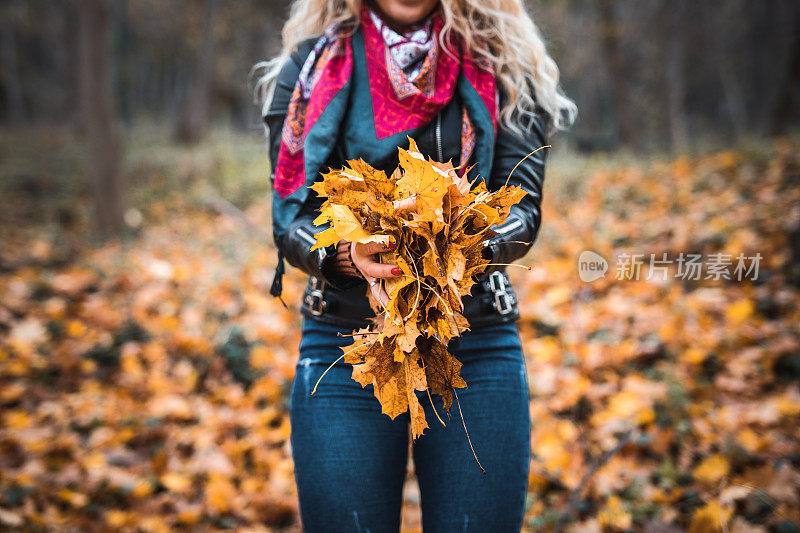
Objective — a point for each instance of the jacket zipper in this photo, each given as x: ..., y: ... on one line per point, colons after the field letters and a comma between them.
x: 439, y: 137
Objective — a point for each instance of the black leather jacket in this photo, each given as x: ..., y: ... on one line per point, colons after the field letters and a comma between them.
x: 341, y: 300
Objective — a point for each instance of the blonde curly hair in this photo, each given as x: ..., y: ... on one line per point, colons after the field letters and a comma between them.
x: 512, y: 42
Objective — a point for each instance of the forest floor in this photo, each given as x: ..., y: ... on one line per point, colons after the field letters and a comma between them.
x: 144, y: 380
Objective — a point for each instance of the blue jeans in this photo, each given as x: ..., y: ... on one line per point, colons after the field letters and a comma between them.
x: 350, y: 459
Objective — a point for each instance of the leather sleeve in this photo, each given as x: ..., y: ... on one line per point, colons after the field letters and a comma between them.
x: 296, y: 243
x: 525, y: 218
x: 299, y: 239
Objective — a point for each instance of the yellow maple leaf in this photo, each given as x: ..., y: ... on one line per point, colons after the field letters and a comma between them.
x: 614, y: 515
x: 176, y: 482
x: 710, y: 518
x: 712, y: 469
x: 220, y: 492
x: 740, y: 310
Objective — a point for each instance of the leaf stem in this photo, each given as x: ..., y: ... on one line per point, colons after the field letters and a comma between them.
x: 332, y: 364
x: 510, y: 264
x: 419, y: 290
x: 461, y: 414
x: 523, y: 159
x: 326, y: 371
x: 434, y: 290
x: 434, y: 407
x: 470, y: 208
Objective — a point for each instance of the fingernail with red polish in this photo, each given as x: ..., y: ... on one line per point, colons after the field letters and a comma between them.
x: 396, y: 271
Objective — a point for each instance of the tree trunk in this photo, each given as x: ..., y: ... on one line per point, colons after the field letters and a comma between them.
x: 104, y: 154
x: 676, y: 77
x: 9, y: 70
x: 785, y: 102
x: 193, y: 118
x: 609, y: 37
x: 732, y: 65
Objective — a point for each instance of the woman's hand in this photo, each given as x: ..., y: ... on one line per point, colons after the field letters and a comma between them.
x: 364, y: 257
x: 366, y: 261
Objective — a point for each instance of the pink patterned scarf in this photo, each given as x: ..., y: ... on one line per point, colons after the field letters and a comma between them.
x: 410, y: 48
x: 402, y: 98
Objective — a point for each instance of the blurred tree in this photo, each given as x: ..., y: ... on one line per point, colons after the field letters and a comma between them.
x: 104, y: 162
x: 647, y: 75
x: 193, y: 118
x: 732, y: 65
x: 10, y: 73
x: 610, y: 30
x: 785, y: 87
x: 675, y: 75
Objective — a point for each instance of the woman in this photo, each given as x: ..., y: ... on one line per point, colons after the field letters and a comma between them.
x: 471, y: 82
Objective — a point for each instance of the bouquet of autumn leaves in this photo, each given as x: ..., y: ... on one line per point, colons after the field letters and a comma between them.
x: 438, y: 248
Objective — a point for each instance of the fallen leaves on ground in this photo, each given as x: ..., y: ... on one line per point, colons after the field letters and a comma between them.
x: 144, y: 382
x: 679, y: 396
